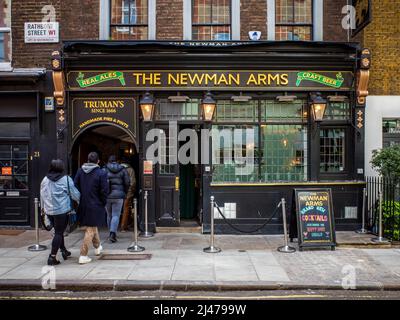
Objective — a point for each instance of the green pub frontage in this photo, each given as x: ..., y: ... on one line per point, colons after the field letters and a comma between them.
x: 299, y: 105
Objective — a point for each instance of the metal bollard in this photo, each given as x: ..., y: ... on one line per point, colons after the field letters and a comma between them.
x: 212, y: 248
x: 135, y: 247
x: 146, y: 233
x: 380, y: 238
x: 37, y: 246
x: 363, y: 230
x: 286, y: 248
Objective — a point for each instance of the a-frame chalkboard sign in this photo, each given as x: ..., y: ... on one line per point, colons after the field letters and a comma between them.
x: 315, y: 218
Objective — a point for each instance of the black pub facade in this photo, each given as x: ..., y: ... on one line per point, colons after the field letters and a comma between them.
x: 262, y: 119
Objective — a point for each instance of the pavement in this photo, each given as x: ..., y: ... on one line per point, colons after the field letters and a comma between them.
x: 177, y: 262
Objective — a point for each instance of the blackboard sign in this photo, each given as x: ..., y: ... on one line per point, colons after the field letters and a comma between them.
x: 315, y: 222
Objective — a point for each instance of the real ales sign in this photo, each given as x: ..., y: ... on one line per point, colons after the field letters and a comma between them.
x: 41, y: 32
x: 315, y: 220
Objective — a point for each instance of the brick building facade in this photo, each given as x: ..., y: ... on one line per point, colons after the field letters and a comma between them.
x: 83, y: 20
x: 193, y: 40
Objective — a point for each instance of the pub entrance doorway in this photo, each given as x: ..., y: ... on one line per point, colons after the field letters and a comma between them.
x: 106, y: 140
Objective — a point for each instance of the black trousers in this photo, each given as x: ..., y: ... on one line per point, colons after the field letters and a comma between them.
x: 60, y: 223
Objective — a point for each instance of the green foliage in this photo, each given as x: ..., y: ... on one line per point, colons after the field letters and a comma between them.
x: 391, y: 219
x: 387, y: 161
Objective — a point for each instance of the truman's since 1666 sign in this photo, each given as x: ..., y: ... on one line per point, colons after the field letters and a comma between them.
x: 315, y: 220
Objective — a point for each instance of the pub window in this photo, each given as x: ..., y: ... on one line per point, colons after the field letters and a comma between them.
x: 129, y: 19
x: 337, y: 111
x: 332, y: 150
x: 166, y: 152
x: 166, y: 110
x: 235, y: 151
x: 230, y: 111
x: 284, y: 152
x: 5, y: 33
x: 14, y: 166
x: 274, y: 111
x: 294, y: 20
x: 211, y: 20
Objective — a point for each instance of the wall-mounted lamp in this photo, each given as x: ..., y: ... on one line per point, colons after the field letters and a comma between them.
x: 147, y: 107
x: 208, y: 104
x: 318, y: 106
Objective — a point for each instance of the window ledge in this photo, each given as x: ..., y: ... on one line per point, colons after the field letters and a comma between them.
x: 5, y: 66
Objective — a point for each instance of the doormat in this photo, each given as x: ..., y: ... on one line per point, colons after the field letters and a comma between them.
x: 8, y: 232
x: 125, y: 257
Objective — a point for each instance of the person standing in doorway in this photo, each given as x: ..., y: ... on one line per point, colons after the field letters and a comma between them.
x: 56, y: 191
x: 129, y: 195
x: 91, y: 181
x: 119, y: 184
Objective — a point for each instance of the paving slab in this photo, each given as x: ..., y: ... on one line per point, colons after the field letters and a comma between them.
x: 193, y: 273
x: 151, y: 273
x: 109, y: 272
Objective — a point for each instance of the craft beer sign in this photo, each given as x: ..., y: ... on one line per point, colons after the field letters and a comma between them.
x: 315, y: 220
x: 117, y: 111
x: 221, y: 80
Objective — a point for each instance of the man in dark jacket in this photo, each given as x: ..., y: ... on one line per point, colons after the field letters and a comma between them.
x: 119, y: 183
x: 91, y: 181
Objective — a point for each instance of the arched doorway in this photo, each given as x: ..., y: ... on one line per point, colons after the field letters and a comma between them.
x: 106, y: 140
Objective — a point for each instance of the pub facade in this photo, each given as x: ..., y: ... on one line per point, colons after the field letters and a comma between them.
x: 293, y: 110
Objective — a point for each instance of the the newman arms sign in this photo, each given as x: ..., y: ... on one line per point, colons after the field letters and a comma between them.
x: 221, y: 80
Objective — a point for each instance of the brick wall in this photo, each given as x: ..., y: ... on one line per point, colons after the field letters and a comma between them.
x: 382, y: 37
x: 78, y: 20
x: 169, y: 20
x: 253, y: 16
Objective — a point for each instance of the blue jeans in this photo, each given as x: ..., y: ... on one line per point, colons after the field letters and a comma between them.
x: 113, y: 208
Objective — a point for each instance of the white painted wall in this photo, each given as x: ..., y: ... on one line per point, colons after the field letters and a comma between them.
x: 376, y: 109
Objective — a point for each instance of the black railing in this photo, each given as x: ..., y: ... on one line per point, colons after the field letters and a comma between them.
x: 390, y: 189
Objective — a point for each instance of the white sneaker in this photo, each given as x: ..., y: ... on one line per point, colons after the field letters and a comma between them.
x: 84, y: 259
x: 98, y: 251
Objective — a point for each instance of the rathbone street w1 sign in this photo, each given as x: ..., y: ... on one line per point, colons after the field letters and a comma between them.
x: 219, y: 79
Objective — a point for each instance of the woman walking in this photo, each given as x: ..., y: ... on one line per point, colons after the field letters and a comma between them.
x: 56, y: 191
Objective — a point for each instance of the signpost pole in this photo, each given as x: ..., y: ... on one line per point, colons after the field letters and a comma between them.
x: 146, y: 233
x: 135, y: 247
x: 380, y: 238
x: 37, y: 246
x: 363, y: 230
x: 286, y: 248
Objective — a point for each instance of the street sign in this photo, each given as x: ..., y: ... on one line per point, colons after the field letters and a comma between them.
x: 41, y: 32
x: 315, y: 219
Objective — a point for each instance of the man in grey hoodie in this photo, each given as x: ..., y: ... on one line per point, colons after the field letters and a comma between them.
x: 91, y: 181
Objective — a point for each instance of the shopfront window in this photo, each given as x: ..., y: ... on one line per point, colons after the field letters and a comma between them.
x: 235, y: 153
x: 167, y: 110
x: 129, y: 19
x: 211, y: 20
x: 284, y: 153
x: 332, y: 150
x: 279, y: 144
x: 14, y: 166
x: 5, y: 31
x: 294, y: 20
x: 337, y: 111
x: 230, y: 111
